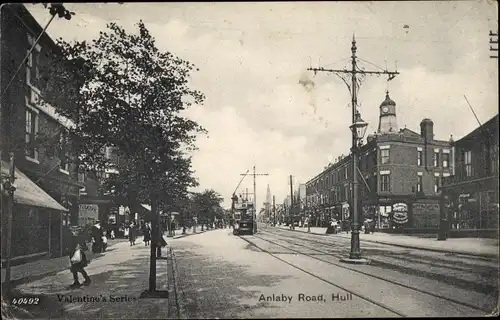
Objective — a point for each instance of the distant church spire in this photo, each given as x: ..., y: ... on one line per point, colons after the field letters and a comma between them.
x: 267, y: 204
x: 387, y: 121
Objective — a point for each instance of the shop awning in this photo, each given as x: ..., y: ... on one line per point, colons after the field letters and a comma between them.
x: 28, y: 193
x: 147, y: 207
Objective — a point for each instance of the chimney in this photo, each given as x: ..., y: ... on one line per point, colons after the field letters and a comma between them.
x: 427, y: 129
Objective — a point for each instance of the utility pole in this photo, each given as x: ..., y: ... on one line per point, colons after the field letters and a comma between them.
x: 255, y: 196
x: 355, y: 254
x: 291, y: 203
x: 494, y: 41
x: 274, y: 211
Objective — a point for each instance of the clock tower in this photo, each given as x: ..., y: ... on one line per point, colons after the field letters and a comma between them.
x: 387, y: 122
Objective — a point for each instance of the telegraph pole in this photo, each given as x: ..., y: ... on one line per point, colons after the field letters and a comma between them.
x: 291, y: 203
x: 255, y: 196
x: 494, y: 41
x: 274, y: 211
x: 353, y: 86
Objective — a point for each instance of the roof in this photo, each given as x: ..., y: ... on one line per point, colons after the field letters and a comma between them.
x: 29, y: 193
x: 488, y: 125
x: 388, y: 101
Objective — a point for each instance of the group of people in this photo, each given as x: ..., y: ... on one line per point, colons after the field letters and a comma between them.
x: 77, y: 245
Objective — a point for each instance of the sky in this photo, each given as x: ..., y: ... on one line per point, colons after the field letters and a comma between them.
x: 264, y: 109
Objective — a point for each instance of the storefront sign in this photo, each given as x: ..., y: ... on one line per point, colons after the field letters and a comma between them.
x: 88, y: 211
x: 400, y: 213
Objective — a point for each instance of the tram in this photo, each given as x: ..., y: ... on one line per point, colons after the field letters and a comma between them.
x: 243, y: 218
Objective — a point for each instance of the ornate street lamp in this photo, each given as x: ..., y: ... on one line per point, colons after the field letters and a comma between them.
x: 358, y: 130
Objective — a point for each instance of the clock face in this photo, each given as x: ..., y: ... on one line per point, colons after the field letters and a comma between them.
x: 385, y: 109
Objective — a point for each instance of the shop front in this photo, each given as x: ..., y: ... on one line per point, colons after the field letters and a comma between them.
x: 404, y: 213
x: 36, y: 227
x: 473, y: 208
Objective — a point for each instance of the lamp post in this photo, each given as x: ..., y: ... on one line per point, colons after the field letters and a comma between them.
x: 358, y: 129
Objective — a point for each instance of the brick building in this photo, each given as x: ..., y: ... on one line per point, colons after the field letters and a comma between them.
x: 473, y: 188
x: 23, y: 121
x: 402, y: 171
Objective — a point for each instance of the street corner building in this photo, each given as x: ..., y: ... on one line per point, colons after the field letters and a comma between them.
x: 401, y: 173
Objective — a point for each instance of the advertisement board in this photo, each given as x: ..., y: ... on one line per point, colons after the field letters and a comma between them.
x: 88, y: 213
x: 400, y: 213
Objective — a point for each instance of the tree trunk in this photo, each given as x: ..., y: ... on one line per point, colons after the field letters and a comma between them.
x: 155, y: 237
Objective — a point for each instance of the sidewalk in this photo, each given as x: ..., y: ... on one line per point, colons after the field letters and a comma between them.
x: 471, y: 246
x: 118, y: 279
x: 38, y: 269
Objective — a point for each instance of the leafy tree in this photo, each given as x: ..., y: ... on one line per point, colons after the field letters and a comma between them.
x: 123, y: 92
x: 207, y: 205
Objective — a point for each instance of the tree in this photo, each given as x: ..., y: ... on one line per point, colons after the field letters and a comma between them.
x: 207, y: 205
x: 124, y: 93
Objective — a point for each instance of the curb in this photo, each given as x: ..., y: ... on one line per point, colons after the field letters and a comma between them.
x: 175, y: 288
x: 190, y: 234
x: 474, y: 254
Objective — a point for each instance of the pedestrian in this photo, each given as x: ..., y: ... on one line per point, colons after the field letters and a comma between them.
x: 366, y: 226
x: 132, y: 234
x: 78, y: 259
x: 112, y: 234
x: 161, y: 244
x: 97, y: 241
x: 147, y: 234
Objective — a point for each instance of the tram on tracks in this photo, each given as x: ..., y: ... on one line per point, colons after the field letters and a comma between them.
x: 243, y: 218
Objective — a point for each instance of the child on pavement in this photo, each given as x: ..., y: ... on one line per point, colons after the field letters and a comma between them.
x: 78, y: 259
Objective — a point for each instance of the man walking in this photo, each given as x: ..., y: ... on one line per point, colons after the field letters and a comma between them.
x: 78, y: 259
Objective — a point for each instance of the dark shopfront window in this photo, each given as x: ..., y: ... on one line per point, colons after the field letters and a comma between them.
x: 29, y: 231
x: 477, y: 211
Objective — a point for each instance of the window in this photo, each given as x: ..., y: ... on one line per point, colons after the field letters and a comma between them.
x: 446, y: 160
x: 436, y: 159
x: 494, y: 158
x: 419, y: 158
x: 384, y: 156
x: 31, y: 131
x: 437, y: 183
x: 64, y: 151
x: 33, y: 64
x: 346, y: 193
x: 468, y: 163
x: 346, y: 174
x: 419, y: 184
x: 385, y: 182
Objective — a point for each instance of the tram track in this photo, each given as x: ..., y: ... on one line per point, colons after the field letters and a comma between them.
x: 477, y: 286
x: 293, y: 242
x: 368, y: 299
